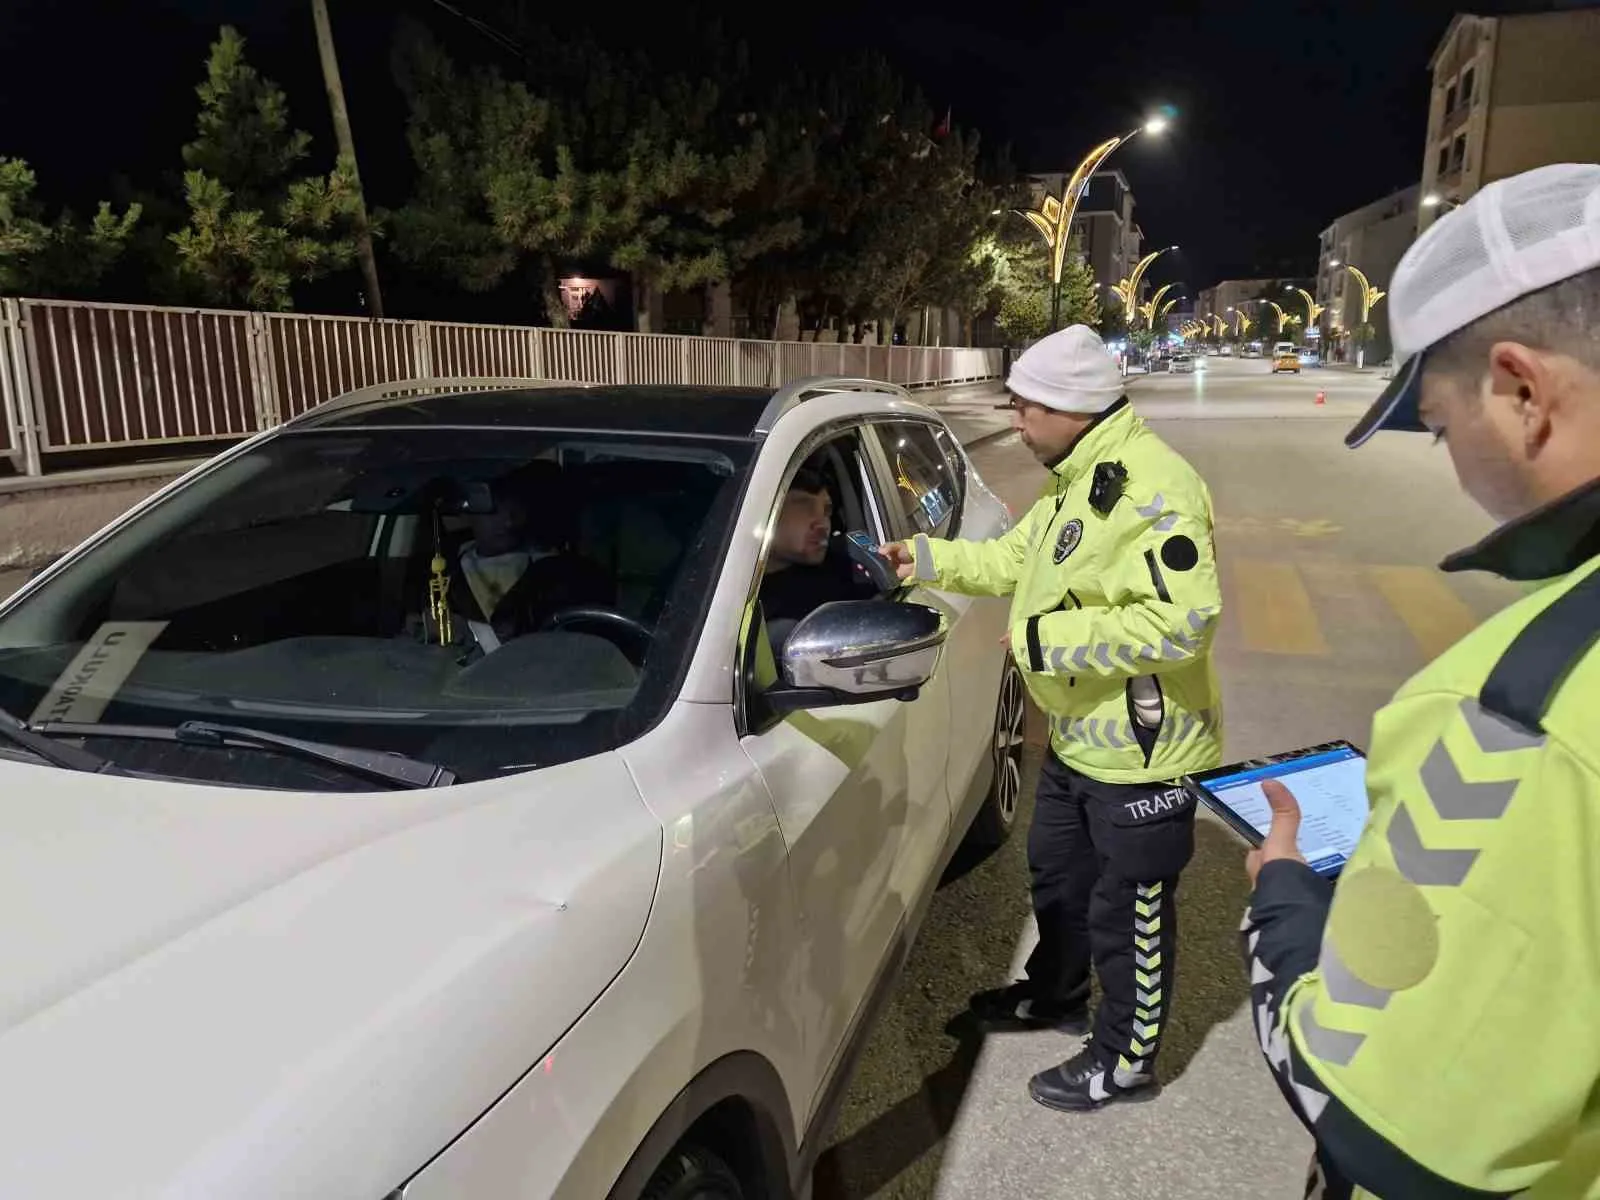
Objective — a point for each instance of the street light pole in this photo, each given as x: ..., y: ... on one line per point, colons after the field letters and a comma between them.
x: 1053, y: 218
x: 1283, y: 317
x: 1149, y: 309
x: 1313, y: 309
x: 1128, y: 290
x: 1369, y: 296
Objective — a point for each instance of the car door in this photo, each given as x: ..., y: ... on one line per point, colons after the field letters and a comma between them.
x: 856, y: 806
x: 925, y: 480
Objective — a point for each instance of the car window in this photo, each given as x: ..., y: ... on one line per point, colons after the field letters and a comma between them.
x: 928, y: 486
x: 797, y: 573
x: 432, y: 593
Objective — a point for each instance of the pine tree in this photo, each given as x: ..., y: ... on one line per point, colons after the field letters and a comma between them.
x: 59, y: 257
x: 253, y: 229
x: 618, y: 163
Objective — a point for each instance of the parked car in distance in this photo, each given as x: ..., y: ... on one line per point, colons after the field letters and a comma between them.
x: 1183, y: 363
x: 321, y: 886
x: 1309, y: 356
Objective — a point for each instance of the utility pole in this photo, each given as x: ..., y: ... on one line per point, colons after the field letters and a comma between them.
x: 347, y: 149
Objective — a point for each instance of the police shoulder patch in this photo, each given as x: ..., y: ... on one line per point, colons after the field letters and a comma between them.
x: 1067, y: 540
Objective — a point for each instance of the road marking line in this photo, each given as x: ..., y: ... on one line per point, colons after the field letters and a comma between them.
x: 1275, y: 610
x: 1429, y: 607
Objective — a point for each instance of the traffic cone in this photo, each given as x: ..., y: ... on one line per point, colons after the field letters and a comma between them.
x: 1322, y: 397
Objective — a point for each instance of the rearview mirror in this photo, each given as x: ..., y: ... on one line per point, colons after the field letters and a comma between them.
x: 857, y: 651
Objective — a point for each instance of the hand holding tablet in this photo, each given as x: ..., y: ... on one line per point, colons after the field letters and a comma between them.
x: 1280, y: 842
x: 1321, y: 817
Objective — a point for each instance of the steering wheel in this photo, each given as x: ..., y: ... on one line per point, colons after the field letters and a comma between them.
x: 629, y: 635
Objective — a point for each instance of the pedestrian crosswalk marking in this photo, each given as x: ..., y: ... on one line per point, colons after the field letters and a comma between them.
x: 1425, y: 603
x: 1274, y: 608
x: 1321, y: 607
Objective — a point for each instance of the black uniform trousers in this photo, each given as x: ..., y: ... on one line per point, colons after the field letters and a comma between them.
x: 1105, y: 860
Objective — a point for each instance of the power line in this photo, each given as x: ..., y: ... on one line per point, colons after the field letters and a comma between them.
x: 504, y: 41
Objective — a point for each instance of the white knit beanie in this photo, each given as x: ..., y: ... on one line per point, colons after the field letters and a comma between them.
x: 1068, y: 371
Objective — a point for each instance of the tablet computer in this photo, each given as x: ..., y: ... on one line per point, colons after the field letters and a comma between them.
x: 1329, y: 781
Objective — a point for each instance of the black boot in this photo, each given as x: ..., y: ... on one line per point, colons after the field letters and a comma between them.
x: 1018, y: 1007
x: 1083, y: 1084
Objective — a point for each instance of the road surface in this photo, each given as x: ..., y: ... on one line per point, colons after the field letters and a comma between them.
x: 1331, y: 600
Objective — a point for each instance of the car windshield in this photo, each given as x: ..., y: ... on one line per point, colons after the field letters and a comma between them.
x: 489, y: 601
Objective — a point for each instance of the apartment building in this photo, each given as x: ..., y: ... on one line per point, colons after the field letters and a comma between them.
x: 1510, y: 93
x: 1372, y: 239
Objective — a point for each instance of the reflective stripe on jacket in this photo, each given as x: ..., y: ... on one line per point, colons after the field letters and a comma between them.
x: 1113, y: 608
x: 1435, y: 1018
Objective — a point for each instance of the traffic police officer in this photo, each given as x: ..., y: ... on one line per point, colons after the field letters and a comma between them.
x: 1435, y: 1021
x: 1114, y: 602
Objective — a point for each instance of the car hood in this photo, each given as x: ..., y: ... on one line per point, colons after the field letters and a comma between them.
x: 220, y: 992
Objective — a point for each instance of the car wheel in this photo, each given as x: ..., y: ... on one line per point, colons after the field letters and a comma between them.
x: 691, y: 1173
x: 993, y: 823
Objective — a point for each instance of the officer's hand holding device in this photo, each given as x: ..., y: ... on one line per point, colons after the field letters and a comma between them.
x: 1283, y: 834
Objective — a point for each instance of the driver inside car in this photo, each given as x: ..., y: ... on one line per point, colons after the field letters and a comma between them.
x: 517, y: 569
x: 804, y: 571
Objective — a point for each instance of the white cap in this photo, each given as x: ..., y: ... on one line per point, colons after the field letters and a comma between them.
x: 1514, y: 237
x: 1068, y: 371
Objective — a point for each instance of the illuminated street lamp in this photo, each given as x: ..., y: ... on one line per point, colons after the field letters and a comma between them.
x: 1284, y: 319
x: 1149, y: 310
x: 1053, y: 218
x: 1313, y: 309
x: 1369, y: 296
x: 1128, y: 290
x: 1241, y: 323
x: 1434, y: 200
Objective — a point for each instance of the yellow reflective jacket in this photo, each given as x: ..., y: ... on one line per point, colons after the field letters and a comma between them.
x: 1435, y: 1018
x: 1114, y: 603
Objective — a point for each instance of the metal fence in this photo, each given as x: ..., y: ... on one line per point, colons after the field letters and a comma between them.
x: 76, y: 377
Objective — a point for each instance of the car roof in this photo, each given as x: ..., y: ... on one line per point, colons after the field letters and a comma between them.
x: 685, y: 411
x: 460, y: 402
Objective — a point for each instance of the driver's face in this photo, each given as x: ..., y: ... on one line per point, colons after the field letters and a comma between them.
x: 804, y: 523
x: 500, y: 531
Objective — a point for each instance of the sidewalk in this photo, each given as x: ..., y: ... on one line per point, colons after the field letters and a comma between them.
x: 971, y: 410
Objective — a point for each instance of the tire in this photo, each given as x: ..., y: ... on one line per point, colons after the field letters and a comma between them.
x: 995, y: 820
x: 691, y: 1173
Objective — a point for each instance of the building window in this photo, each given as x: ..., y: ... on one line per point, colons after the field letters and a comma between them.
x: 1450, y: 100
x: 1458, y: 153
x: 1444, y: 160
x: 1466, y: 87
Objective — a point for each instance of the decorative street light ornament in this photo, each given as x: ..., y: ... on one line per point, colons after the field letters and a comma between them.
x: 1313, y: 309
x: 1369, y: 296
x: 1128, y: 290
x: 1053, y: 218
x: 1149, y: 309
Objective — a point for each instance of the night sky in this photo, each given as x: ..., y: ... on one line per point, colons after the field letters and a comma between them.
x: 1285, y: 118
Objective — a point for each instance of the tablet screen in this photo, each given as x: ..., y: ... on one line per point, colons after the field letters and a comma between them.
x: 1331, y: 787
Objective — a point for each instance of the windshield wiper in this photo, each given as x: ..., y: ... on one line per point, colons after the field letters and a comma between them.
x: 20, y: 733
x: 394, y: 769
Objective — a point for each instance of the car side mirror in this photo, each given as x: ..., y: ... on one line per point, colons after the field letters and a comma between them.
x: 857, y: 651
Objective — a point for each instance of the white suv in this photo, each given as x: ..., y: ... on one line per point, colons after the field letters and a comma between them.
x: 315, y: 889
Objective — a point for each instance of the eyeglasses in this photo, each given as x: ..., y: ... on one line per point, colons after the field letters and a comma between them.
x: 1018, y: 404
